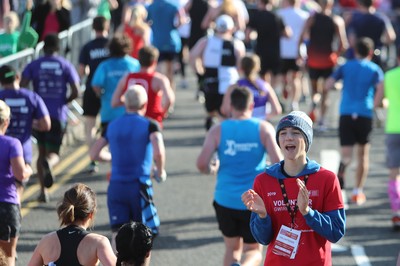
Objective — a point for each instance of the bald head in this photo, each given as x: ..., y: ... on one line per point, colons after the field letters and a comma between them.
x: 135, y: 97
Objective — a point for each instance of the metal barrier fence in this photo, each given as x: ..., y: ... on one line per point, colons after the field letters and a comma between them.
x: 71, y: 42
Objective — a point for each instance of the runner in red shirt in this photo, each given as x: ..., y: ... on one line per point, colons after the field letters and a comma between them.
x: 159, y: 92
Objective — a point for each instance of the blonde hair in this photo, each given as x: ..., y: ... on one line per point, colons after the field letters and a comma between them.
x: 63, y: 3
x: 13, y: 17
x: 228, y: 7
x: 138, y: 16
x: 5, y: 112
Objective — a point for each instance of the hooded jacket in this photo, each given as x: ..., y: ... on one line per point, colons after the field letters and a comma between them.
x: 324, y: 223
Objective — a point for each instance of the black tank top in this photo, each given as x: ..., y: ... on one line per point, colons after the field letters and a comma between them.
x: 70, y: 237
x: 197, y: 12
x: 322, y: 33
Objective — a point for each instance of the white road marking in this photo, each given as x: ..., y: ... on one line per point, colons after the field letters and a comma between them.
x: 359, y: 255
x: 330, y: 160
x: 338, y: 248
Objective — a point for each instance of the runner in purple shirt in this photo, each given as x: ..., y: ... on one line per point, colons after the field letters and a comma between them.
x: 51, y: 75
x: 11, y: 166
x: 27, y: 109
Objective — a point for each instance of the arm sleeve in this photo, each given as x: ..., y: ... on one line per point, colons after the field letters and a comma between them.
x: 72, y: 74
x: 154, y: 126
x: 331, y: 225
x: 98, y: 76
x: 261, y: 228
x: 41, y: 108
x: 379, y: 76
x: 15, y: 148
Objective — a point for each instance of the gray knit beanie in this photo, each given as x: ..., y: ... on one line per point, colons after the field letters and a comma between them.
x: 300, y: 121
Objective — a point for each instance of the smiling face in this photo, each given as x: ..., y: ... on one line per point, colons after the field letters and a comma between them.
x: 292, y: 143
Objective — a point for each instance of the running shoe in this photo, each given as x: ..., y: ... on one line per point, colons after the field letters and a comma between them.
x: 358, y: 199
x: 43, y: 197
x: 396, y: 222
x: 93, y: 167
x: 312, y: 115
x: 48, y: 175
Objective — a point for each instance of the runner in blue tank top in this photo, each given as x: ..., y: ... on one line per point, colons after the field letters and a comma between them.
x: 242, y: 144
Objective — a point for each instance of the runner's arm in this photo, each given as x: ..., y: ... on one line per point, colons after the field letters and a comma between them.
x: 209, y: 147
x: 21, y: 171
x: 95, y: 151
x: 158, y: 151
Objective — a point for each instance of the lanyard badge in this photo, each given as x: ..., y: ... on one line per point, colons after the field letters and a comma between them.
x: 292, y: 211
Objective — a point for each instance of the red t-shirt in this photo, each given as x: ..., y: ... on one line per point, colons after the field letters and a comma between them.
x: 313, y: 248
x: 137, y: 40
x: 51, y: 25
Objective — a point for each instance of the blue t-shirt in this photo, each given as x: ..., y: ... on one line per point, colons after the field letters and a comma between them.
x: 50, y: 76
x: 359, y: 80
x: 130, y: 146
x: 242, y: 157
x: 367, y: 25
x: 165, y: 35
x: 107, y: 76
x: 25, y: 106
x: 10, y: 148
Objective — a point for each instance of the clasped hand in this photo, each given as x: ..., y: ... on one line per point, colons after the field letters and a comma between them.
x: 255, y: 203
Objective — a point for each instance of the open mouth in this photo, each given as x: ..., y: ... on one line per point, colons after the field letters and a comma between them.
x: 290, y: 147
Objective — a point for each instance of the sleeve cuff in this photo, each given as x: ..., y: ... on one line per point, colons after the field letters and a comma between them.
x: 310, y: 215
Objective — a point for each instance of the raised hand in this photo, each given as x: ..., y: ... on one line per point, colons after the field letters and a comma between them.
x: 302, y: 197
x: 254, y: 203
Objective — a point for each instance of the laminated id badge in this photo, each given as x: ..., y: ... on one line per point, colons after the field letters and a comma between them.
x: 287, y: 242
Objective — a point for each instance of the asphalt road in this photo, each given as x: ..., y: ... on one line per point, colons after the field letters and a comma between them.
x: 189, y: 232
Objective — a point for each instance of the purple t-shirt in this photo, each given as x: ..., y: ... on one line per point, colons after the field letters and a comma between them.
x: 25, y: 106
x: 10, y: 148
x: 50, y: 76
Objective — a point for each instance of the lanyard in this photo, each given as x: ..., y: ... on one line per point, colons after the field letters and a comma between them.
x: 292, y: 212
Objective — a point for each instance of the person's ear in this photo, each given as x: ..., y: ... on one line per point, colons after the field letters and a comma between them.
x: 148, y: 254
x: 251, y: 106
x: 5, y: 123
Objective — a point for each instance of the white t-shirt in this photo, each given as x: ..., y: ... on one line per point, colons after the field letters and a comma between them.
x: 294, y: 18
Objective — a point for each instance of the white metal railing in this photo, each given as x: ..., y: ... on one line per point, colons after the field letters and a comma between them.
x: 71, y: 42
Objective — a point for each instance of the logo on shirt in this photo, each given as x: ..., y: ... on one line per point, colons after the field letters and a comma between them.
x: 138, y: 81
x: 233, y: 148
x: 99, y: 53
